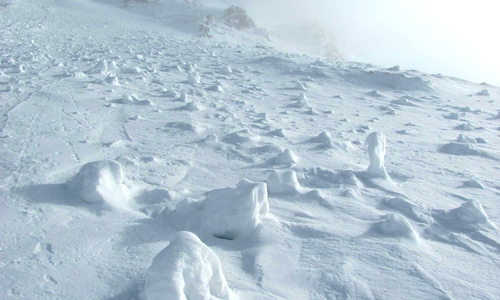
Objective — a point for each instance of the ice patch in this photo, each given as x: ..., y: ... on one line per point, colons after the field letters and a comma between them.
x: 186, y: 269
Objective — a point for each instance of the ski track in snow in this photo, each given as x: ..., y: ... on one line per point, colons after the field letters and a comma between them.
x: 188, y: 116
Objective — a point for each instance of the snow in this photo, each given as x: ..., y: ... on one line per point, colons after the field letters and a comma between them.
x: 122, y: 125
x: 396, y: 225
x: 376, y: 147
x: 186, y: 269
x: 283, y: 183
x: 100, y: 182
x: 227, y: 213
x: 286, y: 157
x: 234, y: 213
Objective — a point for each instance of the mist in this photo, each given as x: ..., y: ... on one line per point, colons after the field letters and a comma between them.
x: 454, y: 38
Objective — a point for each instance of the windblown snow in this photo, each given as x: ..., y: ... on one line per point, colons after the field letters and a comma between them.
x: 167, y: 149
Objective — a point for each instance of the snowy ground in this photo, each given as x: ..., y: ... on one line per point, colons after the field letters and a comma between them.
x: 82, y: 81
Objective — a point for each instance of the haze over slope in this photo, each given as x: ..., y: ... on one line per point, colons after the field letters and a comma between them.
x: 455, y: 38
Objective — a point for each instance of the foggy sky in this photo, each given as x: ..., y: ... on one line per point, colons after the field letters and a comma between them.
x: 454, y: 38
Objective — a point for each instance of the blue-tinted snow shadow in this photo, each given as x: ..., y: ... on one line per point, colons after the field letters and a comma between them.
x: 57, y: 194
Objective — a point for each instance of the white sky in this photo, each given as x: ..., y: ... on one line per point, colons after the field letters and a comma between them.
x: 457, y: 38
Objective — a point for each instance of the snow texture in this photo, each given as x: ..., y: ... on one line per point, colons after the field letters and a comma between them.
x: 235, y: 212
x: 186, y: 269
x: 376, y: 147
x: 100, y: 182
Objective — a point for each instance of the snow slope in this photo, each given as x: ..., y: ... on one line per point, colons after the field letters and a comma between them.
x: 173, y: 123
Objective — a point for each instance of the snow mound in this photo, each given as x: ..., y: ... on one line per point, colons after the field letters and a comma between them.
x: 286, y: 157
x: 453, y: 116
x: 170, y: 93
x: 182, y: 126
x: 112, y: 79
x: 186, y: 269
x: 302, y: 96
x: 455, y: 148
x: 465, y: 127
x: 396, y: 225
x: 407, y: 208
x: 473, y: 183
x: 234, y: 212
x: 300, y: 86
x: 100, y: 68
x: 194, y: 78
x: 277, y: 132
x: 183, y: 97
x: 483, y: 93
x: 284, y: 183
x: 471, y: 212
x: 404, y: 102
x: 323, y: 137
x: 216, y: 88
x: 192, y: 106
x: 339, y: 146
x: 100, y: 182
x: 301, y: 102
x: 383, y: 80
x: 376, y: 146
x: 241, y: 137
x: 134, y: 99
x: 465, y: 139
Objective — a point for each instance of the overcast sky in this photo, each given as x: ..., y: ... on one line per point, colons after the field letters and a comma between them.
x: 455, y: 38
